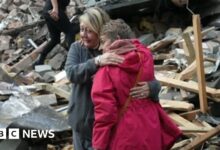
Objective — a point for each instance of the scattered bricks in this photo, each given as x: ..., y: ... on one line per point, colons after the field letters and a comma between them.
x: 12, y: 7
x: 57, y: 61
x: 42, y: 68
x: 48, y: 77
x: 5, y: 42
x: 18, y: 52
x: 7, y: 56
x: 5, y: 76
x: 17, y: 2
x: 25, y: 1
x: 60, y: 76
x: 57, y: 49
x: 24, y: 7
x: 2, y: 14
x: 5, y: 4
x: 13, y: 13
x: 15, y: 24
x: 40, y: 3
x: 35, y: 12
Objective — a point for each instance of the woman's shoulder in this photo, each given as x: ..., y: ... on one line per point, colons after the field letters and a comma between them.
x: 77, y: 45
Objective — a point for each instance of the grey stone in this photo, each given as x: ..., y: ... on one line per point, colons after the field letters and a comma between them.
x: 42, y: 68
x: 57, y: 61
x: 147, y: 39
x: 5, y: 42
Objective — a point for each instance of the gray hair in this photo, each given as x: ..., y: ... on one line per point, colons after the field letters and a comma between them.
x: 115, y: 28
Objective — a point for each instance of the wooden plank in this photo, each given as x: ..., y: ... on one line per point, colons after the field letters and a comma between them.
x: 206, y: 124
x: 190, y: 115
x: 204, y: 32
x: 210, y: 59
x: 187, y: 74
x: 202, y: 124
x: 162, y: 56
x: 61, y: 78
x: 201, y: 139
x: 176, y: 105
x: 180, y: 144
x: 165, y: 67
x: 22, y: 28
x: 162, y: 43
x: 28, y: 60
x: 53, y: 89
x: 189, y: 47
x: 200, y: 64
x: 182, y: 121
x: 184, y: 94
x: 197, y: 129
x: 58, y: 91
x: 192, y: 87
x: 11, y: 77
x: 186, y: 125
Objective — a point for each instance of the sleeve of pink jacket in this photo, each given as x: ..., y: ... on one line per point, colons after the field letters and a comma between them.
x: 105, y: 108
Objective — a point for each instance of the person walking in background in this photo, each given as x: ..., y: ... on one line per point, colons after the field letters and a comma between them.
x: 83, y: 60
x: 122, y: 122
x: 57, y: 22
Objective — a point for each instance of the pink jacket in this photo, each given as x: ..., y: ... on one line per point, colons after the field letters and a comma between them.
x: 144, y: 125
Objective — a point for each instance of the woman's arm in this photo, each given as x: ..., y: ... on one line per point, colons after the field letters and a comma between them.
x: 54, y: 12
x: 154, y: 88
x: 148, y: 89
x: 108, y: 59
x: 76, y: 70
x: 105, y: 109
x: 80, y: 72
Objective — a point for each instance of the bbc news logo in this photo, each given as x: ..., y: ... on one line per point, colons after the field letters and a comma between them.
x: 16, y: 133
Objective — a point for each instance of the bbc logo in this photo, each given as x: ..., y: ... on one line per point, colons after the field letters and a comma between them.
x: 12, y: 133
x: 16, y: 133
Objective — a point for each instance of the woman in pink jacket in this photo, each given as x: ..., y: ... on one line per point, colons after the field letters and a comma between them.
x: 123, y: 123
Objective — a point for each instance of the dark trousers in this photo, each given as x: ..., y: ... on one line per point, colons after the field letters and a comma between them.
x: 81, y: 143
x: 55, y: 28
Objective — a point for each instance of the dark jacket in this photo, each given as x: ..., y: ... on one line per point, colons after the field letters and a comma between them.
x: 80, y: 67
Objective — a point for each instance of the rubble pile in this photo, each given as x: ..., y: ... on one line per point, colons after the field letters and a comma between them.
x: 22, y: 29
x: 22, y: 33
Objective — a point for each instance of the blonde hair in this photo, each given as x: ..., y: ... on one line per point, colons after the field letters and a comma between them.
x: 94, y: 18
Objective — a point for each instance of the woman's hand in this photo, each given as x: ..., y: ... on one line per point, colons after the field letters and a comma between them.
x: 179, y: 3
x: 140, y: 91
x: 110, y: 59
x: 54, y: 14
